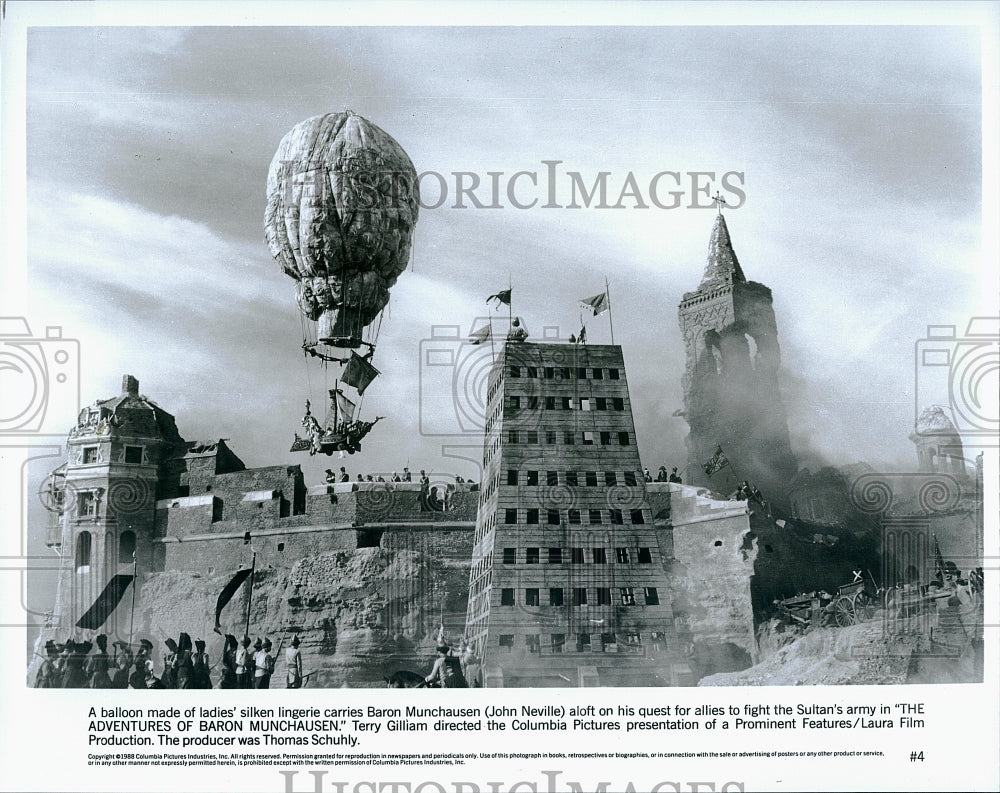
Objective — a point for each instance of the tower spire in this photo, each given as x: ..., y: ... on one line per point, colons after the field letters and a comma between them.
x: 722, y: 267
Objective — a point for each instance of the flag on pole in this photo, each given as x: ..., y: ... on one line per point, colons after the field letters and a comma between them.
x: 598, y: 303
x: 582, y: 337
x: 481, y: 335
x: 501, y: 297
x: 359, y: 373
x: 106, y: 602
x: 717, y: 463
x: 227, y: 594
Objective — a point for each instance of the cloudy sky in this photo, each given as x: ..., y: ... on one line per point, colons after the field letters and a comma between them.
x: 860, y: 150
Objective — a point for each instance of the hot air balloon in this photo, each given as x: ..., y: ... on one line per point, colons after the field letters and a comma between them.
x: 341, y: 208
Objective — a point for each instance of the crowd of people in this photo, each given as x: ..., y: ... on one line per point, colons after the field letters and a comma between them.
x: 662, y: 475
x: 185, y: 664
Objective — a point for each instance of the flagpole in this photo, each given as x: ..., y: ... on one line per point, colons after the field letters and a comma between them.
x: 253, y: 565
x: 131, y: 616
x: 611, y: 322
x: 510, y: 304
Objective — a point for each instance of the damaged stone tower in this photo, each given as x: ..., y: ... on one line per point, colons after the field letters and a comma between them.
x: 731, y: 392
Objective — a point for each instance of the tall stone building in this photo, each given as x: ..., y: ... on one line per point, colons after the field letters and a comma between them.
x: 567, y: 585
x: 732, y: 396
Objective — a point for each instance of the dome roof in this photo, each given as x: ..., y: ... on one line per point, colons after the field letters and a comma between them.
x: 933, y: 420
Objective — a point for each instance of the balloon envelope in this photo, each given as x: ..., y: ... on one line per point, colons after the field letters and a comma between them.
x: 341, y: 208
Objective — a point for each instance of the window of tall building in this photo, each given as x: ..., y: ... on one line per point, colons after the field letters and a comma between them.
x: 506, y: 597
x: 510, y: 555
x: 550, y: 403
x: 585, y: 404
x: 571, y: 478
x: 89, y: 455
x: 591, y: 478
x: 506, y: 643
x: 581, y: 372
x: 596, y: 517
x: 531, y: 516
x: 549, y: 372
x: 588, y: 438
x: 645, y: 557
x: 630, y: 479
x: 510, y: 515
x: 602, y: 403
x: 532, y: 436
x: 531, y: 596
x: 532, y: 478
x: 126, y: 547
x: 553, y: 517
x: 513, y: 402
x: 86, y: 504
x: 550, y: 437
x: 512, y: 436
x: 83, y: 546
x: 628, y: 596
x: 623, y: 439
x: 569, y: 438
x: 573, y: 516
x: 566, y: 372
x: 133, y: 455
x: 610, y: 478
x: 612, y: 374
x: 616, y: 516
x: 576, y: 555
x: 583, y: 642
x: 558, y: 642
x: 514, y: 371
x: 622, y: 555
x: 605, y: 438
x: 580, y: 596
x: 555, y: 555
x: 532, y: 403
x: 608, y: 642
x: 512, y: 476
x: 603, y: 596
x: 600, y: 555
x: 555, y: 596
x: 531, y: 641
x: 531, y: 556
x: 551, y: 478
x: 636, y: 515
x: 618, y: 403
x: 652, y: 598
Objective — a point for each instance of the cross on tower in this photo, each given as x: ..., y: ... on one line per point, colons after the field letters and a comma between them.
x: 719, y: 200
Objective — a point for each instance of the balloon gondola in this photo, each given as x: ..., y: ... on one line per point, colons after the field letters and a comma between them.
x: 341, y: 208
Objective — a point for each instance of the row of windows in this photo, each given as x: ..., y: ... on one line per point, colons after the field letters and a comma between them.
x: 569, y: 438
x: 574, y: 478
x: 574, y: 516
x: 564, y: 372
x: 132, y: 455
x: 578, y: 555
x: 125, y: 551
x: 579, y: 596
x: 587, y: 404
x: 605, y: 642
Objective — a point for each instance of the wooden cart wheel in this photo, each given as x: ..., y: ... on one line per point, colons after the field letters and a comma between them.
x: 864, y: 606
x: 843, y: 611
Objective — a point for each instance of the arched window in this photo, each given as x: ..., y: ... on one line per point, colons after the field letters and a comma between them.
x: 126, y: 547
x: 83, y: 542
